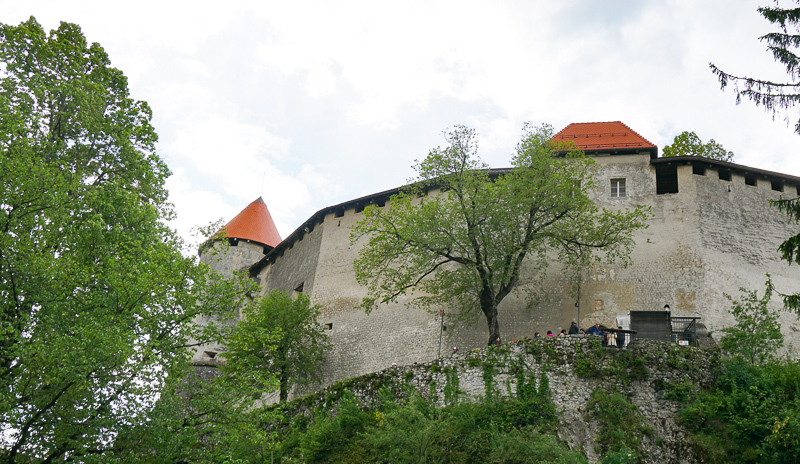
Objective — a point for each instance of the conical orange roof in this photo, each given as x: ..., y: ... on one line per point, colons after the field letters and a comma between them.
x: 254, y: 223
x: 600, y: 136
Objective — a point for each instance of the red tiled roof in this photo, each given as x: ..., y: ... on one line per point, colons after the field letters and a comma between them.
x: 254, y: 223
x: 602, y: 136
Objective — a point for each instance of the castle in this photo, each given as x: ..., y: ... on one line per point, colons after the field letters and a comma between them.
x: 712, y: 232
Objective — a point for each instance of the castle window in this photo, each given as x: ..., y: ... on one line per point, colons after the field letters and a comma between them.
x: 339, y: 213
x: 666, y: 179
x: 329, y: 326
x: 777, y: 186
x: 233, y: 241
x: 617, y: 188
x: 725, y: 175
x: 750, y: 180
x: 359, y: 208
x: 380, y: 203
x: 698, y: 170
x: 297, y: 290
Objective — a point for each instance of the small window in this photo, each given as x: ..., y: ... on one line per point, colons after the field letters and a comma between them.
x: 666, y: 179
x: 380, y: 203
x: 339, y: 213
x: 618, y: 188
x: 777, y: 186
x: 750, y: 180
x: 329, y: 326
x: 298, y: 290
x: 725, y: 175
x: 233, y: 241
x: 698, y: 170
x: 359, y: 208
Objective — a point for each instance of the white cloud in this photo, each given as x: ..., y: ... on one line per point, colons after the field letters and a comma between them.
x: 336, y: 99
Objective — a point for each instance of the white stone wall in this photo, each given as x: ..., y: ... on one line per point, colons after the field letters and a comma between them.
x: 710, y: 238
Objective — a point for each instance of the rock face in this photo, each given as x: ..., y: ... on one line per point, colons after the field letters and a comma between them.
x: 650, y: 374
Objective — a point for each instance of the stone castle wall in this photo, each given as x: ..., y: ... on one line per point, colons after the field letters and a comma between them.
x: 712, y: 237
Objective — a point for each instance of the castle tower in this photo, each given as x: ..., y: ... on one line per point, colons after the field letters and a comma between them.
x: 242, y: 242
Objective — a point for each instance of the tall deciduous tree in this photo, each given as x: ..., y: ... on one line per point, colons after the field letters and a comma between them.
x: 689, y: 144
x: 467, y: 246
x: 96, y: 298
x: 279, y: 339
x: 773, y: 96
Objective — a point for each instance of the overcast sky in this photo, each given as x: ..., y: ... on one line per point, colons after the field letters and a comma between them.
x: 310, y: 104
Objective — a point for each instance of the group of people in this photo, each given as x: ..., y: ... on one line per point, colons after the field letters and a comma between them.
x: 612, y: 338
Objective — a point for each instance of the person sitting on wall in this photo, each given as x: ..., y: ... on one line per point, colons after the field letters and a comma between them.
x: 563, y: 333
x: 536, y: 335
x: 595, y: 330
x: 495, y: 342
x: 549, y: 334
x: 455, y: 349
x: 573, y: 329
x: 582, y: 332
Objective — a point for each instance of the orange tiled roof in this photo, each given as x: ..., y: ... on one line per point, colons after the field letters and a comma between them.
x: 254, y: 223
x: 602, y: 136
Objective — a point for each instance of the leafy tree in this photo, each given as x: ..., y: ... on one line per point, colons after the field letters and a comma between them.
x: 467, y: 245
x: 96, y: 298
x: 689, y: 144
x: 279, y: 338
x: 773, y: 96
x: 757, y: 333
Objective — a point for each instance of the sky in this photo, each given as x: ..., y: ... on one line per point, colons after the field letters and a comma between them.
x: 312, y: 103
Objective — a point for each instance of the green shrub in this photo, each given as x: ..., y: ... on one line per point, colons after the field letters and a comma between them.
x: 678, y: 391
x: 749, y: 415
x: 621, y: 424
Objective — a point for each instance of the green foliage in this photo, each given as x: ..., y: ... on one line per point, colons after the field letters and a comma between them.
x: 588, y: 362
x: 773, y: 96
x: 329, y: 435
x: 506, y: 430
x: 200, y: 421
x: 598, y: 362
x: 627, y: 365
x: 464, y: 244
x: 451, y: 390
x: 757, y: 333
x: 750, y: 414
x: 621, y: 425
x: 679, y: 391
x: 96, y: 298
x: 689, y: 144
x: 279, y: 339
x: 488, y: 381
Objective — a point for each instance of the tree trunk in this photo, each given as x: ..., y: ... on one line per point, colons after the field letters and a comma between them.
x: 284, y: 394
x: 494, y: 326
